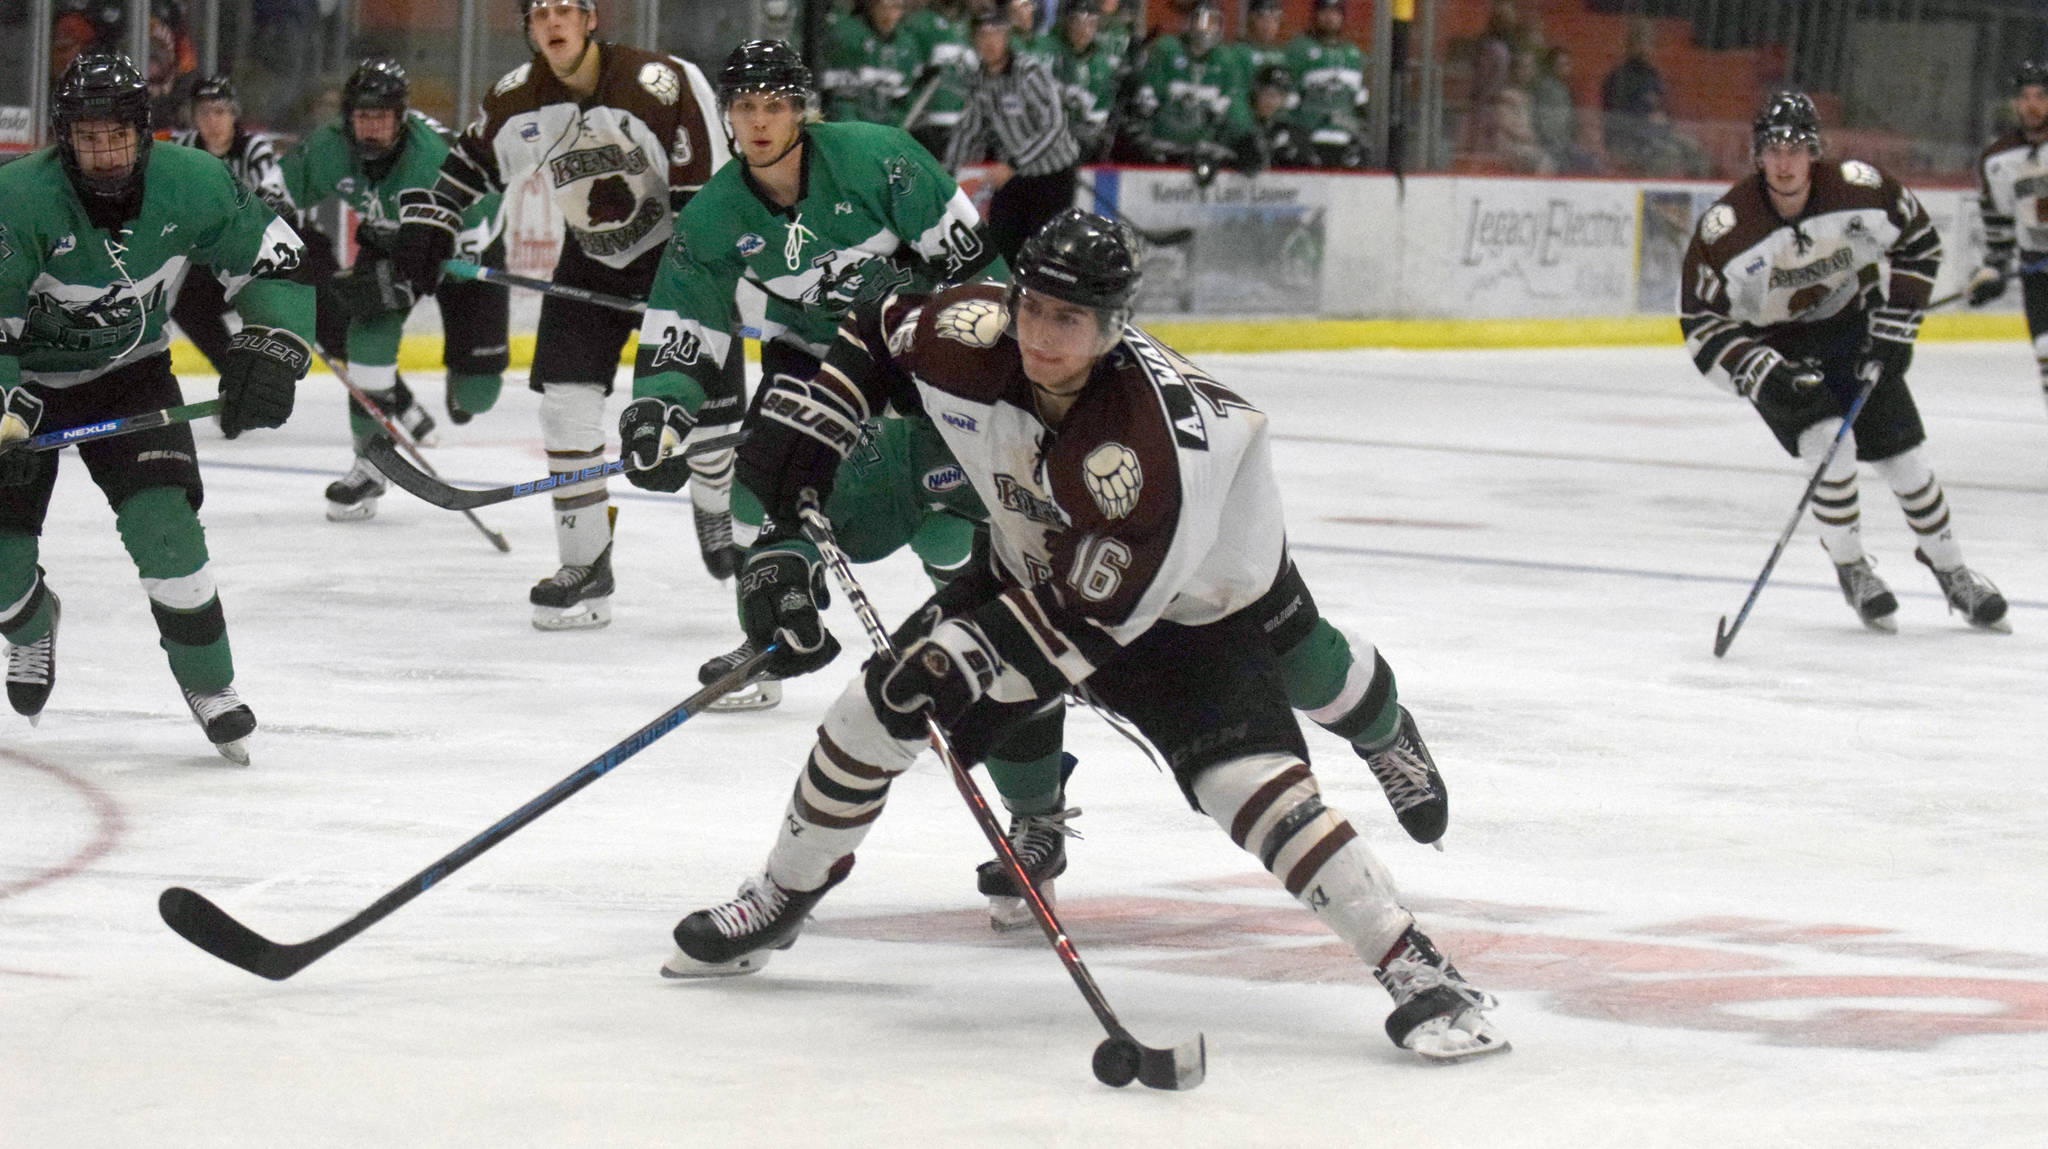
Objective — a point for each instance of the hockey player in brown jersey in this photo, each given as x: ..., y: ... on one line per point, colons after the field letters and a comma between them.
x: 1136, y: 530
x: 1802, y: 286
x: 2012, y: 175
x: 623, y: 137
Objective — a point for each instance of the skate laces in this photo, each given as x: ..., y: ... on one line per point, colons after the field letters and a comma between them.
x: 1036, y: 837
x: 1965, y: 588
x: 714, y: 529
x: 363, y: 474
x: 568, y: 576
x: 30, y: 662
x: 1860, y: 581
x: 1403, y: 773
x: 211, y: 706
x: 759, y: 902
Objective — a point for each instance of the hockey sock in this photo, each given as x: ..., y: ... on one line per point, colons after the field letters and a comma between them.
x: 945, y: 543
x: 1339, y: 688
x: 841, y: 792
x: 381, y: 385
x: 475, y: 394
x: 25, y: 609
x: 1920, y: 496
x: 1835, y: 505
x: 2041, y: 362
x: 711, y: 481
x: 163, y: 536
x: 1025, y: 763
x: 571, y: 428
x: 1270, y: 805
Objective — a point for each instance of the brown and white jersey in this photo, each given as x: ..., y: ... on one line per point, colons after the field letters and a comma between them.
x: 2012, y: 191
x: 619, y: 163
x: 1750, y: 275
x: 1154, y: 499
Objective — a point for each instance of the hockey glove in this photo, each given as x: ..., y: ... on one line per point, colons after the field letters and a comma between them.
x: 1988, y: 284
x: 781, y: 591
x: 1789, y: 391
x: 944, y: 673
x: 1888, y: 350
x: 19, y: 417
x: 259, y: 378
x: 651, y: 436
x: 427, y: 226
x: 372, y: 288
x: 801, y: 432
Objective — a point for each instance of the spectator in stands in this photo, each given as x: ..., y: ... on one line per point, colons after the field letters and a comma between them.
x: 870, y: 64
x: 1557, y: 116
x: 1491, y: 59
x: 285, y: 34
x: 173, y: 72
x: 1516, y: 144
x: 1636, y: 128
x: 82, y: 26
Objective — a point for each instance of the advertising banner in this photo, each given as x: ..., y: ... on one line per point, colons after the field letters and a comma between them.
x: 1258, y: 245
x: 1535, y: 247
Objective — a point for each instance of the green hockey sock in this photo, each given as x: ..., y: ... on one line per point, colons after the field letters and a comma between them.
x: 474, y: 394
x: 1033, y: 787
x: 164, y: 538
x: 25, y: 604
x: 1325, y: 680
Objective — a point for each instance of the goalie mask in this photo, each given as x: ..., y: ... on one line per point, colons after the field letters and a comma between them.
x: 95, y: 89
x: 1789, y: 118
x: 377, y: 82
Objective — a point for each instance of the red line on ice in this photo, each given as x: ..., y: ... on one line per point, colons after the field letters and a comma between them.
x: 106, y: 831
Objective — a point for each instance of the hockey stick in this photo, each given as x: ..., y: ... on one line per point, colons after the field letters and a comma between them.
x: 209, y: 927
x: 1120, y: 1057
x: 2040, y: 264
x: 461, y: 269
x: 926, y: 89
x: 1724, y: 635
x: 1170, y: 237
x: 384, y: 453
x: 108, y: 428
x: 398, y: 435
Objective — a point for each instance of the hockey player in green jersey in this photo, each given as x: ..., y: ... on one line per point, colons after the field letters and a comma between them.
x: 816, y: 215
x: 1192, y: 100
x: 95, y: 234
x: 375, y: 151
x: 870, y: 62
x: 1330, y: 71
x: 1090, y: 74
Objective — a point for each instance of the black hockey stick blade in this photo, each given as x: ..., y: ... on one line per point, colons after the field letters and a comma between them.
x: 1182, y: 1067
x: 1723, y: 637
x: 192, y: 917
x: 1171, y: 237
x: 402, y: 473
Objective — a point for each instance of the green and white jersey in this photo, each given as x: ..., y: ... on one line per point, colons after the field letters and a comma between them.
x: 1088, y: 81
x: 77, y: 302
x: 325, y: 165
x: 876, y: 212
x: 1331, y: 74
x: 946, y: 49
x: 1187, y: 98
x: 867, y: 77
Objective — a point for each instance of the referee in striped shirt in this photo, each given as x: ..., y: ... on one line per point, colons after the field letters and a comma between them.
x: 1015, y: 117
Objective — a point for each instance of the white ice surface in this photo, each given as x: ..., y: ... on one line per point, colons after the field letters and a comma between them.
x: 1791, y: 897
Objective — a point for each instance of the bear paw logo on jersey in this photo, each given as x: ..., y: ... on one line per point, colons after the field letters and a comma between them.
x: 661, y: 82
x: 975, y: 322
x: 611, y: 201
x: 512, y: 79
x: 1113, y: 478
x: 1861, y: 174
x: 1719, y: 221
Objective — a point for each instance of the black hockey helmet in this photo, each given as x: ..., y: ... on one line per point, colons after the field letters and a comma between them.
x: 990, y: 17
x: 1274, y: 76
x: 1263, y: 6
x: 101, y: 86
x: 1786, y: 118
x: 2030, y: 74
x: 216, y: 87
x: 377, y: 82
x: 1083, y: 258
x: 770, y: 66
x: 1319, y: 5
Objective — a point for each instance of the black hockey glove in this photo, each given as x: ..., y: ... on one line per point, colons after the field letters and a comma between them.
x: 1789, y: 389
x: 782, y: 588
x: 651, y: 436
x: 943, y: 673
x: 372, y: 288
x: 20, y: 415
x: 1888, y: 350
x: 427, y: 226
x: 259, y: 378
x: 799, y: 435
x: 1986, y: 285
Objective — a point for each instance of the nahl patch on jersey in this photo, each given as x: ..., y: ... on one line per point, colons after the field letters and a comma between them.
x: 975, y: 322
x: 1114, y: 479
x: 1719, y: 221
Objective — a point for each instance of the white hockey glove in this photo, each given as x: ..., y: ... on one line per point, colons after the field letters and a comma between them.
x: 19, y: 417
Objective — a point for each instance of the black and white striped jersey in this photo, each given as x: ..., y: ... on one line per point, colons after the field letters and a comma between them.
x: 1019, y: 115
x: 253, y: 159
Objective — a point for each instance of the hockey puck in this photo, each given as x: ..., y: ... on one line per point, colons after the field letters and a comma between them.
x: 1116, y: 1062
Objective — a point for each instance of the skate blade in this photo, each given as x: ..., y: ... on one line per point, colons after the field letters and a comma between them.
x: 761, y: 694
x: 236, y: 751
x: 2002, y: 626
x: 682, y: 966
x: 1006, y: 913
x: 1889, y: 624
x: 352, y: 512
x: 35, y: 719
x: 1440, y: 1039
x: 590, y: 614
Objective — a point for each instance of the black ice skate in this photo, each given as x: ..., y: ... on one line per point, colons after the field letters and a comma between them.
x: 1972, y: 594
x: 404, y: 410
x: 227, y: 720
x: 722, y: 557
x: 761, y: 692
x: 353, y: 497
x: 1868, y: 596
x: 1437, y: 1014
x: 32, y: 669
x: 1040, y: 841
x: 1409, y: 775
x: 738, y: 937
x: 575, y: 597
